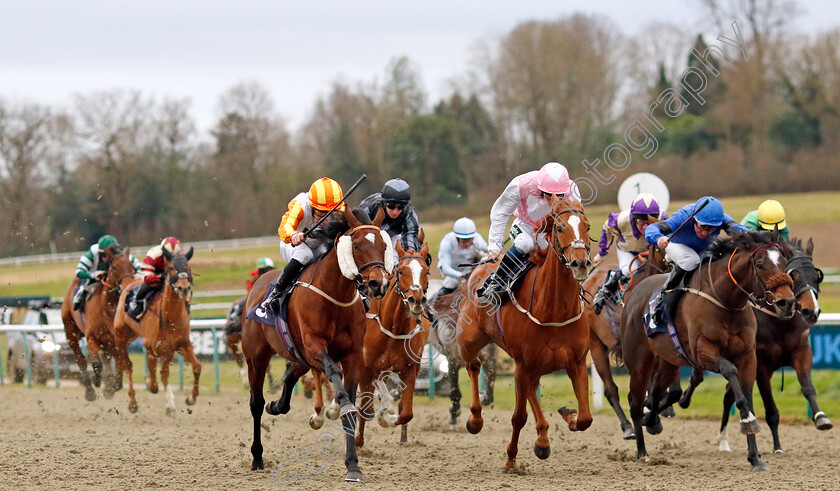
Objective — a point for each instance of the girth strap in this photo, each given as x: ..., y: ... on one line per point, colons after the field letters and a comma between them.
x: 331, y: 299
x: 548, y: 324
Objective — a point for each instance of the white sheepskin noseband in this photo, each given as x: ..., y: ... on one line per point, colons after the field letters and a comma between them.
x: 389, y: 252
x: 346, y: 262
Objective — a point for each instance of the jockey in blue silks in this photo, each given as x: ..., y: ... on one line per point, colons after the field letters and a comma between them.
x: 460, y: 246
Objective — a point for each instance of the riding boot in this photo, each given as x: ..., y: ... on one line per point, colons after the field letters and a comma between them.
x: 81, y: 296
x: 607, y: 290
x: 512, y: 264
x: 138, y: 303
x: 675, y: 277
x: 289, y: 274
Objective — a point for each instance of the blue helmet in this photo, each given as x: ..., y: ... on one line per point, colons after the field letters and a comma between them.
x: 711, y: 214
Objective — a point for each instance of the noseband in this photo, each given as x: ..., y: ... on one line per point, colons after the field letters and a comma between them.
x: 414, y: 287
x: 359, y: 278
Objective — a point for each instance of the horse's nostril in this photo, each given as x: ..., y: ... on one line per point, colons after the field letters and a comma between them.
x: 373, y: 284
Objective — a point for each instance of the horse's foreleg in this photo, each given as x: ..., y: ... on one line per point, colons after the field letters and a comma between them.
x: 165, y: 362
x: 407, y: 402
x: 124, y: 364
x: 95, y: 361
x: 741, y: 382
x: 257, y: 366
x: 696, y: 379
x: 151, y: 362
x: 723, y: 434
x: 601, y: 359
x: 520, y: 415
x: 73, y: 336
x: 580, y: 383
x: 639, y: 378
x: 366, y: 403
x: 802, y: 363
x: 233, y: 345
x: 475, y: 421
x: 294, y: 371
x: 346, y: 396
x: 108, y: 375
x: 189, y: 355
x: 542, y: 447
x: 771, y: 412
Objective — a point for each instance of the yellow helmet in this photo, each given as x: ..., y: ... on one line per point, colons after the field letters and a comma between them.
x: 324, y: 194
x: 770, y: 214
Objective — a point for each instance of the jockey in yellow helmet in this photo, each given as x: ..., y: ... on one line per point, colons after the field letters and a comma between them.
x: 769, y: 214
x: 297, y: 250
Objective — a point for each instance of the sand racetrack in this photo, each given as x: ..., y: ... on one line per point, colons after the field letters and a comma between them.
x: 52, y: 438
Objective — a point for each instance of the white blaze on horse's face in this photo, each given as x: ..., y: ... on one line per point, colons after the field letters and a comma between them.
x: 371, y: 237
x: 816, y: 302
x: 416, y: 271
x: 574, y: 222
x: 774, y: 256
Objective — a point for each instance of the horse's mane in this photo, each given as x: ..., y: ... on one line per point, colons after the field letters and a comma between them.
x: 723, y: 247
x: 337, y: 224
x: 796, y: 244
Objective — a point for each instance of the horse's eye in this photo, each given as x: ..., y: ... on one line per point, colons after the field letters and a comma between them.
x: 759, y: 265
x: 355, y: 246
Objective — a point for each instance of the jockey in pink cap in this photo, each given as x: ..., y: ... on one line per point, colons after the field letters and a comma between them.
x: 527, y: 199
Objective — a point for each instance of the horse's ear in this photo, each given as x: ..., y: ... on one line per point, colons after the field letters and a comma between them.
x: 424, y: 251
x: 189, y: 254
x: 421, y: 237
x: 166, y: 254
x: 400, y: 250
x: 774, y: 235
x: 380, y: 217
x: 128, y: 251
x: 809, y: 247
x: 352, y: 221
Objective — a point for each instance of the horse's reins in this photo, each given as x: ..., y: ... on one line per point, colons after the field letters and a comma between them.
x: 418, y: 328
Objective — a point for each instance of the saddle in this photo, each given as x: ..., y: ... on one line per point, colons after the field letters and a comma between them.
x: 140, y: 303
x: 264, y: 316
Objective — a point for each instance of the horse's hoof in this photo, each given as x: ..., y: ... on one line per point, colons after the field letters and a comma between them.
x: 760, y: 467
x: 510, y: 465
x: 629, y: 434
x: 644, y: 457
x: 153, y: 389
x: 316, y: 422
x: 474, y: 429
x: 90, y: 394
x: 822, y: 422
x: 170, y: 411
x: 189, y: 401
x: 750, y: 427
x: 271, y: 408
x: 132, y: 408
x: 332, y: 411
x: 655, y: 428
x: 108, y: 394
x: 353, y: 476
x: 257, y: 465
x: 542, y: 453
x: 778, y: 451
x: 668, y: 412
x: 569, y: 414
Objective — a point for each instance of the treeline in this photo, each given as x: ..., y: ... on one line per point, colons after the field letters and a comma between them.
x: 123, y: 163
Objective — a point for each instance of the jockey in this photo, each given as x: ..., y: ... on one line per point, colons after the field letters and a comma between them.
x: 298, y: 250
x: 400, y: 218
x: 527, y: 199
x: 629, y: 227
x: 264, y: 265
x: 154, y: 265
x: 92, y: 266
x: 463, y: 244
x: 769, y: 214
x: 685, y: 246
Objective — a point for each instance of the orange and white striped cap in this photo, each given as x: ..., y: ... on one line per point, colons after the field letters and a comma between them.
x: 324, y: 194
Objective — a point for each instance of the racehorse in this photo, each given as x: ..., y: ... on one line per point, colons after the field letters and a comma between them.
x: 549, y: 335
x: 604, y: 328
x: 781, y: 343
x: 442, y: 338
x: 233, y: 336
x: 715, y: 329
x: 394, y: 339
x: 96, y: 323
x: 165, y: 329
x: 326, y: 324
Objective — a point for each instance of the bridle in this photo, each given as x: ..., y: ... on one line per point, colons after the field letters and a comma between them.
x: 359, y: 277
x: 173, y: 276
x: 766, y: 298
x: 116, y: 285
x: 413, y: 287
x: 574, y: 244
x: 802, y: 262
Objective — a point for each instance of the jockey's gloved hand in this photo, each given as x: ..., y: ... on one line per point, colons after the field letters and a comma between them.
x: 98, y: 276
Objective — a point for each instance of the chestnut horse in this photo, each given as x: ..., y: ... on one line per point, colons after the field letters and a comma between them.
x: 165, y: 329
x: 782, y: 343
x: 715, y: 329
x: 326, y: 324
x: 97, y: 323
x: 550, y: 335
x: 394, y: 339
x: 603, y: 328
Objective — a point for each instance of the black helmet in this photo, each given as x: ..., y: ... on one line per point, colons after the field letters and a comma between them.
x: 396, y: 190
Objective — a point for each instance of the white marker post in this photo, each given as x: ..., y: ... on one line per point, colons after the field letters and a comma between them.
x: 597, y: 390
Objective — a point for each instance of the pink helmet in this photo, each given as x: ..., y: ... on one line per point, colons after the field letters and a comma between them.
x: 553, y: 178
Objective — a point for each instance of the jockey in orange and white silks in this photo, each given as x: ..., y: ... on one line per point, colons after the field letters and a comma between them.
x: 527, y: 199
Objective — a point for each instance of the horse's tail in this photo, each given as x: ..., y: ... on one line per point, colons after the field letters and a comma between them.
x: 234, y: 327
x: 617, y: 351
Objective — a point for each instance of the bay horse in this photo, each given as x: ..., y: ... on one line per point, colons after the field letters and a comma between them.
x: 445, y: 308
x: 550, y: 335
x: 604, y: 327
x: 233, y: 337
x: 165, y: 329
x: 782, y: 343
x: 395, y: 334
x: 96, y: 323
x: 715, y: 329
x: 326, y: 324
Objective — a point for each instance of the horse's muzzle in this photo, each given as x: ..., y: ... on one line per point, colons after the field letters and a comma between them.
x: 580, y: 269
x: 785, y: 308
x: 810, y: 315
x: 377, y: 288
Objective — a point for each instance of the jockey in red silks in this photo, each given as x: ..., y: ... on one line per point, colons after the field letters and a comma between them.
x: 527, y: 198
x: 153, y: 266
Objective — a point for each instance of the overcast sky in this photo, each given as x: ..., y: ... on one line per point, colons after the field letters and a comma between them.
x: 197, y: 49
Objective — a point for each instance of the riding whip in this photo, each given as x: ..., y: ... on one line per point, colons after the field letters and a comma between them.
x: 702, y: 205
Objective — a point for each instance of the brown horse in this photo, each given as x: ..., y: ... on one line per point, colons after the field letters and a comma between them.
x: 326, y: 323
x: 394, y: 339
x: 603, y: 328
x: 782, y: 343
x: 715, y: 329
x: 165, y: 329
x: 546, y: 335
x: 96, y: 323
